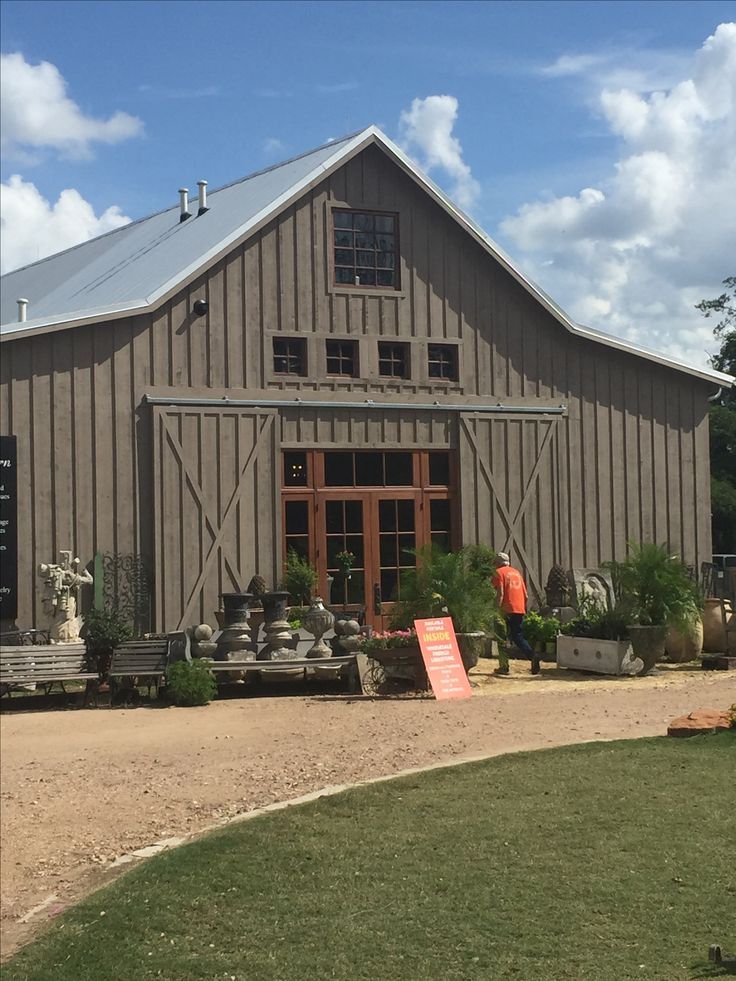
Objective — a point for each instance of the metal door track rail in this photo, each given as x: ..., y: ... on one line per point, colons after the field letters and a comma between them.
x: 499, y: 408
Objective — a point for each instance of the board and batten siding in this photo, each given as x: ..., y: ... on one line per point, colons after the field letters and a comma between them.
x: 629, y: 461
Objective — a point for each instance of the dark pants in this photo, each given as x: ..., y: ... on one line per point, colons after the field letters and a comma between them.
x: 514, y: 622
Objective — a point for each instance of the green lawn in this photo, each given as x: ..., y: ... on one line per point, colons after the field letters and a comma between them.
x: 606, y: 861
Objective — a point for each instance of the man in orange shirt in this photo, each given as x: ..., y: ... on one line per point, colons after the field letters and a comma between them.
x: 509, y: 584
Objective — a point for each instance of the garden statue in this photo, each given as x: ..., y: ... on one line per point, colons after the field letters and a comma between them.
x: 557, y: 590
x: 62, y: 584
x: 593, y: 586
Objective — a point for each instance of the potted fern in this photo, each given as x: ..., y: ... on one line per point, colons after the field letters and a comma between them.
x: 451, y: 584
x: 656, y: 591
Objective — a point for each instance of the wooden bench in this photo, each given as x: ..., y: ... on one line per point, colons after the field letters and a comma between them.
x: 347, y: 662
x: 139, y: 659
x: 46, y: 665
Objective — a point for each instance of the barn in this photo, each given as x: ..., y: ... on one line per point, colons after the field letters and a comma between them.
x: 327, y: 355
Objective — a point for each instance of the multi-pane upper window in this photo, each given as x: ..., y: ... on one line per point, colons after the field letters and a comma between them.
x: 342, y: 358
x: 365, y: 244
x: 289, y: 356
x: 393, y: 360
x: 442, y: 361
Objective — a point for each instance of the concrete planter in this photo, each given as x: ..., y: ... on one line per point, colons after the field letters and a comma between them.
x: 471, y: 646
x: 598, y: 656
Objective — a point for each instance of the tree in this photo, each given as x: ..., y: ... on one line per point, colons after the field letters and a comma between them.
x: 723, y: 421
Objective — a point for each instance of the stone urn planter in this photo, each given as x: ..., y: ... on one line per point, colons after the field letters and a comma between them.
x: 683, y: 647
x: 472, y: 646
x: 234, y: 641
x: 647, y: 643
x: 317, y: 622
x: 277, y: 629
x: 598, y: 656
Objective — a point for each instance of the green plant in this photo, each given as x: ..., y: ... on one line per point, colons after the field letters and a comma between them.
x: 300, y: 577
x: 481, y: 559
x: 190, y: 683
x: 104, y: 629
x: 446, y: 584
x: 550, y: 629
x: 345, y: 562
x: 599, y: 624
x: 654, y: 588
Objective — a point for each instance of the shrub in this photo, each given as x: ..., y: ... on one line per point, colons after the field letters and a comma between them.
x: 104, y: 630
x: 300, y: 577
x: 655, y: 588
x: 190, y: 683
x: 447, y: 584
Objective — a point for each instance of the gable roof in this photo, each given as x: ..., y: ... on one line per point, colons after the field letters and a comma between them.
x: 133, y: 269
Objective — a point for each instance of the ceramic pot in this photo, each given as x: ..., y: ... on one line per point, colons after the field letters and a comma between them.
x: 683, y: 647
x: 714, y: 631
x: 647, y: 643
x: 471, y: 647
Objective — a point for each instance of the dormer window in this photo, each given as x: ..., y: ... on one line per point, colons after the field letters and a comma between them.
x: 365, y: 249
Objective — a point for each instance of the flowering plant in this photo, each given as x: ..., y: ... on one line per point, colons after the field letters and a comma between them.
x: 388, y: 639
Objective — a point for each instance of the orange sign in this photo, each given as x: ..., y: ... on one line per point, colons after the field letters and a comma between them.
x: 442, y: 660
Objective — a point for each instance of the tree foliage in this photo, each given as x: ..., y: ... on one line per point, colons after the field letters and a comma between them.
x: 723, y: 421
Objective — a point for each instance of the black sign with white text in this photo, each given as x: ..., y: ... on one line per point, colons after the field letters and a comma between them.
x: 8, y: 528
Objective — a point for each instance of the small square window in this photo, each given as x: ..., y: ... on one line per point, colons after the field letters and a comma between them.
x: 442, y: 361
x: 342, y: 358
x: 393, y: 360
x: 289, y: 356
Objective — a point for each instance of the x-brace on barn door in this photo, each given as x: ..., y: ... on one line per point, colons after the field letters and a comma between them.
x: 216, y: 494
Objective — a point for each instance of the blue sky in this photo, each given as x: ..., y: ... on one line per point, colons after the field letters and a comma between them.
x: 543, y: 103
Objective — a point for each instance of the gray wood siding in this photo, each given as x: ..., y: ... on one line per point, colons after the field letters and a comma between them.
x: 629, y: 461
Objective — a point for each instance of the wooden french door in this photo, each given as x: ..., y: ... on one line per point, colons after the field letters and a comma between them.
x: 381, y: 529
x: 380, y: 526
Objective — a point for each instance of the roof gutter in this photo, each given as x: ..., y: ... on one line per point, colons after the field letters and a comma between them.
x: 298, y: 403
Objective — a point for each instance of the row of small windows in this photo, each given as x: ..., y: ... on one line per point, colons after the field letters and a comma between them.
x: 290, y: 358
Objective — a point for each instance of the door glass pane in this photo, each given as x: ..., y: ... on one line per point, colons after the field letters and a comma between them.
x: 405, y: 510
x: 439, y: 515
x: 439, y: 469
x: 297, y: 518
x: 406, y: 559
x: 334, y: 516
x: 339, y: 469
x: 356, y: 588
x: 399, y: 470
x: 389, y: 579
x: 295, y: 469
x: 299, y: 543
x: 353, y: 517
x: 354, y: 544
x: 369, y: 469
x: 389, y: 553
x: 387, y: 515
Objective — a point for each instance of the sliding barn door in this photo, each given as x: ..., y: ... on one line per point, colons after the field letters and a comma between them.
x: 216, y: 518
x: 510, y: 491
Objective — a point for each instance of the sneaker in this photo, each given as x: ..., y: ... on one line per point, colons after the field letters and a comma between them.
x: 502, y: 670
x: 536, y: 661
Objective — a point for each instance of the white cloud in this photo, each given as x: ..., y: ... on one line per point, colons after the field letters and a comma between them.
x: 36, y: 113
x: 272, y: 146
x: 634, y: 255
x: 427, y: 128
x: 33, y: 228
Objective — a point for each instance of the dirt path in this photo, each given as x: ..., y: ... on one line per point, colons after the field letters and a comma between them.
x: 81, y: 787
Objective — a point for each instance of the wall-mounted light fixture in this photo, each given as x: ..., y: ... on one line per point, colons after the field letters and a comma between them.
x: 200, y: 307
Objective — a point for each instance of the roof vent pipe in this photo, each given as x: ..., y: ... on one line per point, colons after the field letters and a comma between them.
x: 184, y: 204
x: 22, y: 305
x: 202, y: 185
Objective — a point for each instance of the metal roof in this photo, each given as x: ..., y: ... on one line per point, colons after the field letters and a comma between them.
x: 133, y: 269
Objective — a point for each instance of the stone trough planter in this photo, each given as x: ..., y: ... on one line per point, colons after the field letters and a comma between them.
x: 599, y: 656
